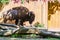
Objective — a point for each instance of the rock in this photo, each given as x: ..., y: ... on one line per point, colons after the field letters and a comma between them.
x: 49, y: 34
x: 23, y: 30
x: 8, y: 29
x: 28, y: 30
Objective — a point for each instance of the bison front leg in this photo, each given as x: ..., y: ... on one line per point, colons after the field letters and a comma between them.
x: 30, y: 23
x: 21, y: 23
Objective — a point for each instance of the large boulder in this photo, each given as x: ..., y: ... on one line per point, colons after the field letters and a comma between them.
x: 8, y: 29
x: 27, y: 29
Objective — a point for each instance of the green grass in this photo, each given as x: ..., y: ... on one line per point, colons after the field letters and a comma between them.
x: 33, y: 36
x: 53, y: 38
x: 23, y: 35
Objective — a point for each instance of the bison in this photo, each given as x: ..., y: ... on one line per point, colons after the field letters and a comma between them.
x: 19, y: 13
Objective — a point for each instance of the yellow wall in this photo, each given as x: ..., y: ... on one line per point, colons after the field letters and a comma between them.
x: 54, y: 23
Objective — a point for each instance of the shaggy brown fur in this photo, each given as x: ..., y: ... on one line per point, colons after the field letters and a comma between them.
x: 22, y: 14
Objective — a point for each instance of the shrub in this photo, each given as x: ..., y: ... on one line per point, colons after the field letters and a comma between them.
x: 37, y: 24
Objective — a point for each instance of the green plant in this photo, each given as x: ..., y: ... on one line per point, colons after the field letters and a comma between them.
x: 2, y: 3
x: 38, y: 25
x: 5, y: 1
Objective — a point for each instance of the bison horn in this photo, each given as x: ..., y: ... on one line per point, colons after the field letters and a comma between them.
x: 29, y: 13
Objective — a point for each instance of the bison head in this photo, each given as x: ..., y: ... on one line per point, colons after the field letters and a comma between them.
x: 31, y: 17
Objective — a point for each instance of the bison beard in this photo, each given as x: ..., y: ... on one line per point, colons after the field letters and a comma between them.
x: 29, y: 16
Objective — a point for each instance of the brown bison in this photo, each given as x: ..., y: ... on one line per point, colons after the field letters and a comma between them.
x: 19, y: 13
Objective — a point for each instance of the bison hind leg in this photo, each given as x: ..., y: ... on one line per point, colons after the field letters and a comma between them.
x: 5, y: 20
x: 16, y: 22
